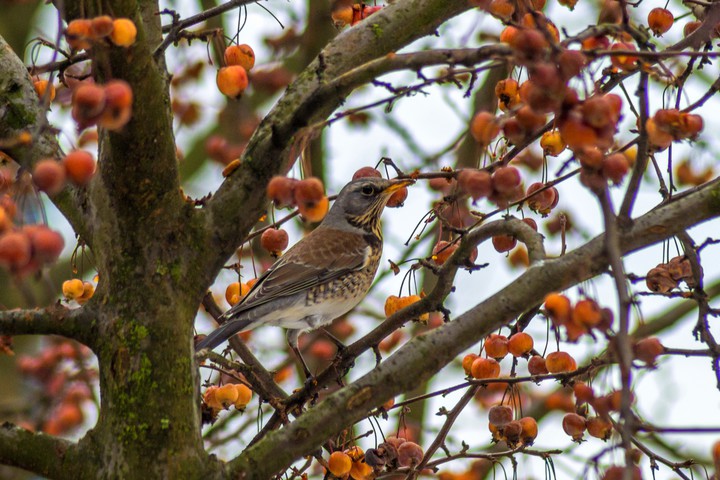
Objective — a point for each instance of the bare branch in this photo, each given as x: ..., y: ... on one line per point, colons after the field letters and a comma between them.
x: 53, y: 320
x: 42, y: 454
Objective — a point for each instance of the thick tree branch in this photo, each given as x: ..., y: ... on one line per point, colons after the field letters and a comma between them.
x: 76, y: 324
x: 423, y: 356
x: 43, y: 454
x: 241, y: 200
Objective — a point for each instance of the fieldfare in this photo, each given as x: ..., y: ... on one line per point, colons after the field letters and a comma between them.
x: 321, y: 277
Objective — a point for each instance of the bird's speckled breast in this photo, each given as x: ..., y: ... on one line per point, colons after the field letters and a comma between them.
x: 351, y: 287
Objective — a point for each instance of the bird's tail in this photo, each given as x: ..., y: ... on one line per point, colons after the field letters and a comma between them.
x: 222, y: 333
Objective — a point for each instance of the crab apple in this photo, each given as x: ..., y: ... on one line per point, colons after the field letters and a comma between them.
x: 559, y: 308
x: 409, y: 454
x: 88, y: 103
x: 15, y: 250
x: 339, y: 464
x: 599, y: 427
x: 476, y: 183
x: 79, y: 166
x: 43, y: 88
x: 484, y: 127
x: 586, y: 313
x: 88, y: 292
x: 690, y: 124
x: 512, y: 432
x: 101, y: 27
x: 209, y: 398
x: 242, y: 55
x: 590, y: 157
x: 716, y: 454
x: 496, y: 346
x: 274, y: 240
x: 508, y: 34
x: 49, y: 176
x: 118, y: 105
x: 226, y: 395
x: 244, y: 395
x: 366, y: 172
x: 529, y: 45
x: 574, y: 425
x: 658, y: 138
x: 501, y: 9
x: 648, y: 349
x: 467, y: 362
x: 506, y: 179
x: 529, y: 120
x: 235, y: 291
x: 624, y: 62
x: 315, y: 211
x: 576, y: 133
x: 361, y: 470
x: 485, y: 368
x: 500, y: 415
x: 442, y: 251
x: 559, y: 362
x: 583, y: 393
x: 397, y: 199
x: 536, y: 365
x: 78, y: 33
x: 571, y: 63
x: 504, y: 243
x: 660, y: 20
x: 72, y: 289
x: 281, y: 190
x: 552, y: 143
x: 5, y: 221
x: 615, y: 167
x: 520, y: 344
x: 309, y: 191
x: 690, y: 27
x: 617, y: 472
x: 507, y: 93
x: 47, y: 244
x: 529, y: 430
x: 124, y: 32
x: 658, y: 279
x: 544, y: 200
x: 232, y: 80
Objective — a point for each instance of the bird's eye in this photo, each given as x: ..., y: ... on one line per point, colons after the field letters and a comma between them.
x: 367, y: 190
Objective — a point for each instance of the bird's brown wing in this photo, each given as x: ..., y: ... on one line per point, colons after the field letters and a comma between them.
x: 306, y: 264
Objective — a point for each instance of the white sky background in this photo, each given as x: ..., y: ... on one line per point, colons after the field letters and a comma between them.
x: 681, y: 393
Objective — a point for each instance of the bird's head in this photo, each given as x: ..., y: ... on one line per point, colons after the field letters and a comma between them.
x: 360, y: 203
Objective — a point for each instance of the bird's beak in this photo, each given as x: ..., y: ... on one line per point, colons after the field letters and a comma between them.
x: 397, y: 185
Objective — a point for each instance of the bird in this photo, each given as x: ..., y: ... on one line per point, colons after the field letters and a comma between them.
x: 321, y: 277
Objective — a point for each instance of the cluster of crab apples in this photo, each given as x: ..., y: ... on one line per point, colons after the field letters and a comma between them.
x: 24, y: 249
x: 232, y: 79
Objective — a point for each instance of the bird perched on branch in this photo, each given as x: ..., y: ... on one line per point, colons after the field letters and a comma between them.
x: 321, y: 277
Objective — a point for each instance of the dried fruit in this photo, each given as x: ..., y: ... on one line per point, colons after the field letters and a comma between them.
x: 500, y: 415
